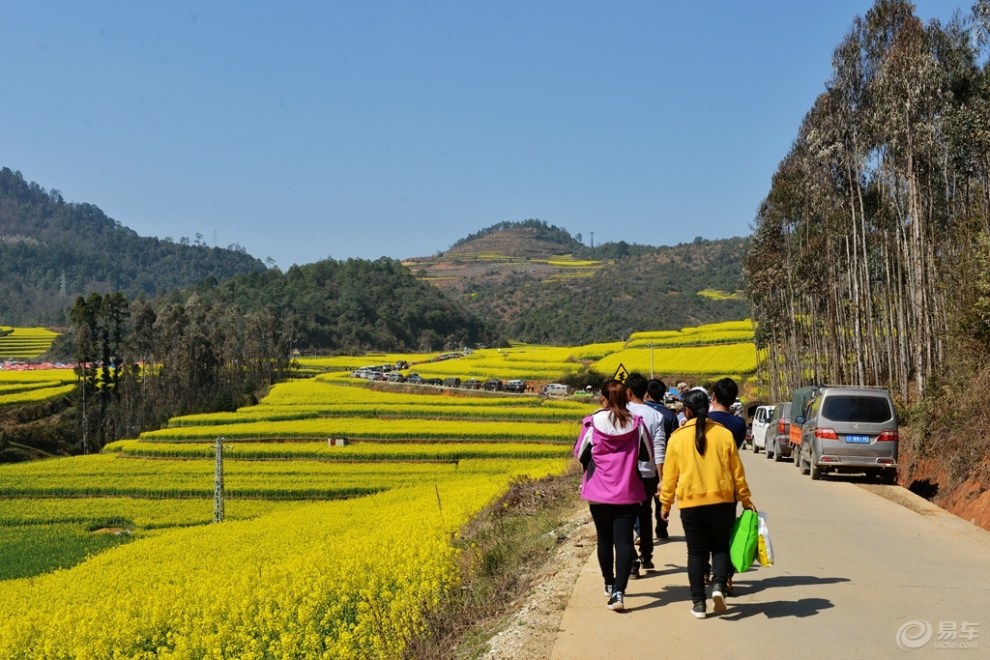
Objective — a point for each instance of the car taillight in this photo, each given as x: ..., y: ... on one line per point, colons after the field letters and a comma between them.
x: 825, y: 434
x: 891, y: 436
x: 781, y: 428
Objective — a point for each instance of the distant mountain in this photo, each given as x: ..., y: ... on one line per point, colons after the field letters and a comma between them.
x: 535, y: 282
x: 52, y: 251
x: 527, y: 281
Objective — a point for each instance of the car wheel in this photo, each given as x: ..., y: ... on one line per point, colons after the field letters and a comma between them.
x: 769, y: 454
x: 802, y: 465
x: 889, y: 477
x: 816, y: 472
x: 756, y: 450
x: 777, y: 458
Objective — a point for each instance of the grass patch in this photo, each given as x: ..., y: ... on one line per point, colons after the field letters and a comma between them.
x: 503, y: 550
x: 30, y: 550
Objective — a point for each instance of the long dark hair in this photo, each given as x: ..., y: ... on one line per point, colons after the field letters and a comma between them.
x: 697, y: 402
x: 616, y: 400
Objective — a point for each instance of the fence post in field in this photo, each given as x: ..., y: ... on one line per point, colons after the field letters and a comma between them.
x: 218, y: 484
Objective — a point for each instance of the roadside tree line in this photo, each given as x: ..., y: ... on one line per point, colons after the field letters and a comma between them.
x: 869, y: 255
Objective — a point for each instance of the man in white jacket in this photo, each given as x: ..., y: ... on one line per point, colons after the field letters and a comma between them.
x: 636, y: 386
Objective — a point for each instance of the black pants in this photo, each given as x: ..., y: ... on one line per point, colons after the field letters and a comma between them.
x: 706, y: 530
x: 645, y: 519
x: 614, y: 525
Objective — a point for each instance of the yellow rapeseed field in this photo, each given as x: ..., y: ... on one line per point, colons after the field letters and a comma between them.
x: 327, y: 551
x: 24, y: 343
x: 326, y: 580
x: 721, y: 359
x: 34, y: 385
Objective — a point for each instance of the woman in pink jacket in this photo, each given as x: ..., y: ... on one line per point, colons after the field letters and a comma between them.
x: 609, y: 449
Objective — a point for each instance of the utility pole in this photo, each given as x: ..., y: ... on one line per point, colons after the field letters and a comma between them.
x: 218, y: 484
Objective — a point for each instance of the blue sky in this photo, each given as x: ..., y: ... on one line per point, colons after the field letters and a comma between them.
x: 307, y: 130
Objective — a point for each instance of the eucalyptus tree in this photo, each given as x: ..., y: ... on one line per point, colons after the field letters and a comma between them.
x: 876, y: 209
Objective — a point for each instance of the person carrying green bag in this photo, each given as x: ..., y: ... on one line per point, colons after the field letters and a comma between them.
x: 743, y: 540
x: 704, y: 472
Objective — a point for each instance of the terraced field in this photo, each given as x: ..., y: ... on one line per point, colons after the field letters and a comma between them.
x: 342, y: 504
x: 24, y: 343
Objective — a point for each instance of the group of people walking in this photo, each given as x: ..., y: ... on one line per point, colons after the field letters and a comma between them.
x: 633, y: 451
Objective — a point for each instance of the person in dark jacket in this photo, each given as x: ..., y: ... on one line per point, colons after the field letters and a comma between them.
x: 655, y: 391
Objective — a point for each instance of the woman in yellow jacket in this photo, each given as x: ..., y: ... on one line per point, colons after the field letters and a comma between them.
x: 703, y: 470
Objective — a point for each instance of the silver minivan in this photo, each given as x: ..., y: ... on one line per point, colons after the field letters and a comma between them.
x: 849, y: 429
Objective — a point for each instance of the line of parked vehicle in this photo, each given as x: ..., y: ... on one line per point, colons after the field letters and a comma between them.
x: 391, y: 376
x: 834, y: 429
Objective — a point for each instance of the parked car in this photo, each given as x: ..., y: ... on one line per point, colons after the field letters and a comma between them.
x: 472, y: 384
x: 849, y: 429
x: 433, y: 381
x: 556, y: 389
x: 517, y: 386
x: 452, y: 381
x: 779, y: 434
x: 799, y: 409
x: 396, y: 377
x: 748, y: 411
x: 414, y: 378
x: 493, y: 385
x: 761, y: 422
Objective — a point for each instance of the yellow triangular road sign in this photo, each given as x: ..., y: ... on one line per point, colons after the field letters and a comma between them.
x: 621, y: 374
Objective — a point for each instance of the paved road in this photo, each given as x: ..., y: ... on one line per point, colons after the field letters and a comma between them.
x: 855, y: 574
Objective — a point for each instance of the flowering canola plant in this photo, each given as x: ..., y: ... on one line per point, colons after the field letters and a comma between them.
x: 34, y: 385
x: 737, y: 358
x: 357, y: 452
x: 326, y: 580
x: 356, y: 427
x: 285, y: 576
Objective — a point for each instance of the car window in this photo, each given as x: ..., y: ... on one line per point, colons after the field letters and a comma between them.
x: 870, y: 409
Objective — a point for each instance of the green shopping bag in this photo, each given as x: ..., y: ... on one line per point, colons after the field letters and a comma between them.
x: 744, y: 539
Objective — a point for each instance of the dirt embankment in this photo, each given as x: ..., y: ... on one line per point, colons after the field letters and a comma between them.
x: 931, y: 478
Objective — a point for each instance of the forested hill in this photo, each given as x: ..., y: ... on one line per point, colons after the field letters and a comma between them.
x: 354, y: 306
x: 52, y: 251
x: 668, y: 289
x: 537, y: 283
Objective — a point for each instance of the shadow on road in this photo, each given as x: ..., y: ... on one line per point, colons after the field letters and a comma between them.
x: 744, y: 586
x: 801, y: 608
x: 776, y: 609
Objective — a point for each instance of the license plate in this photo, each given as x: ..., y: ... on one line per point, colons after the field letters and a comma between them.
x: 858, y: 439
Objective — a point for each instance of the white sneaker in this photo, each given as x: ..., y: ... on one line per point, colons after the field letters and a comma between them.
x: 718, y: 598
x: 615, y: 602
